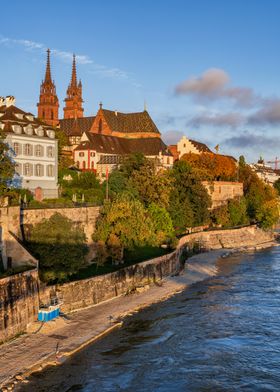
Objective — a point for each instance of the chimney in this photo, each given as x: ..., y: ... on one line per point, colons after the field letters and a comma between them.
x: 116, y: 113
x: 10, y: 101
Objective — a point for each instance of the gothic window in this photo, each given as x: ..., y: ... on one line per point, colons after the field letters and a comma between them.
x: 51, y: 114
x: 27, y: 169
x: 43, y: 114
x: 39, y: 170
x: 50, y: 151
x: 100, y: 126
x: 28, y: 149
x: 50, y: 170
x: 39, y: 150
x: 17, y: 148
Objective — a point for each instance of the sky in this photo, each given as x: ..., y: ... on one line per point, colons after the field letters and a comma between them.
x: 206, y: 69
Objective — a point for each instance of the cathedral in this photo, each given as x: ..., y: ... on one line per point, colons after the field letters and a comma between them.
x: 99, y: 142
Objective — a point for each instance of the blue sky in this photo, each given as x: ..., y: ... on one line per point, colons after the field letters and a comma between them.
x: 207, y: 69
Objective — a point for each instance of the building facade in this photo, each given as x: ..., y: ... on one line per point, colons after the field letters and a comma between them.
x: 34, y: 148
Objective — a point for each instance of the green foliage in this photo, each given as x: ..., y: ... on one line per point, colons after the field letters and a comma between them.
x: 64, y: 161
x: 268, y: 214
x: 59, y: 246
x: 150, y: 185
x: 84, y: 185
x: 180, y: 212
x: 220, y: 216
x: 237, y: 209
x: 7, y: 166
x: 277, y: 186
x: 162, y: 223
x: 190, y: 190
x: 124, y: 224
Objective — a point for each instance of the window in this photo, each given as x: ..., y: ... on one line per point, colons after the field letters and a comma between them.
x: 50, y: 170
x: 92, y: 154
x: 39, y: 150
x: 81, y: 154
x: 18, y: 168
x: 27, y: 169
x: 78, y: 164
x: 39, y: 170
x: 100, y: 126
x: 28, y: 149
x: 92, y: 164
x: 168, y: 161
x: 17, y: 148
x: 50, y: 151
x: 84, y: 164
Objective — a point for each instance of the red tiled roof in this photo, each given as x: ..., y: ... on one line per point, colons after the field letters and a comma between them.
x: 76, y: 127
x: 130, y: 122
x: 122, y: 146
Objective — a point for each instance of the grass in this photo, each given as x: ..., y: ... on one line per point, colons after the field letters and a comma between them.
x: 130, y: 257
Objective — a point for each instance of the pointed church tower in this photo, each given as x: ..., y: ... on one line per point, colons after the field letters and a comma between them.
x: 73, y: 101
x: 48, y: 102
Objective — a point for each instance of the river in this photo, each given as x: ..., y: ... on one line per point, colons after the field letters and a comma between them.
x: 219, y: 335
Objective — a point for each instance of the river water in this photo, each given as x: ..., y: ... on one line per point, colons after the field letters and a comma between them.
x: 222, y: 334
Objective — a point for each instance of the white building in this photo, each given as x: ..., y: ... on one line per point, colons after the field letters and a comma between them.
x: 35, y: 149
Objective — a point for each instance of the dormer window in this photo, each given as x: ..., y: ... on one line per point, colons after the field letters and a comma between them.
x: 28, y: 130
x: 17, y: 129
x: 51, y: 134
x: 40, y: 131
x: 19, y: 116
x: 29, y: 117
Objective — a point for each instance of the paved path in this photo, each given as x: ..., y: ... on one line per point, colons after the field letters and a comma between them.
x: 30, y: 351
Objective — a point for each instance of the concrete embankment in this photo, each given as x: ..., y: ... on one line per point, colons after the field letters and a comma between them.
x: 33, y: 351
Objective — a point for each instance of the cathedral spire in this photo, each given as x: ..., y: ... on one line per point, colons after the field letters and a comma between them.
x: 48, y: 78
x: 48, y: 102
x: 74, y: 73
x: 74, y: 101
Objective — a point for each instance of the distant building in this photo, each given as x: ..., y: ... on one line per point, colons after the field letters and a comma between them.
x: 222, y: 191
x: 186, y: 146
x: 35, y: 149
x: 265, y: 172
x: 114, y: 135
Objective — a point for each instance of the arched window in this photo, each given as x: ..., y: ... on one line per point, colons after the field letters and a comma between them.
x: 50, y: 170
x: 39, y: 170
x: 92, y: 164
x: 28, y: 149
x: 39, y: 150
x: 78, y: 164
x: 43, y: 114
x: 27, y: 169
x: 18, y: 168
x: 50, y: 151
x: 100, y: 126
x: 51, y: 115
x: 84, y: 164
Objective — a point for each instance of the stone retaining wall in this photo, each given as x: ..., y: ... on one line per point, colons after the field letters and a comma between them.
x: 19, y: 303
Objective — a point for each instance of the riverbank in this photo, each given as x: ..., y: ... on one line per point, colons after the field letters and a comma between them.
x: 54, y: 342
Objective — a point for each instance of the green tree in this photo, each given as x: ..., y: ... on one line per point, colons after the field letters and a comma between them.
x: 150, y: 185
x: 277, y: 186
x: 59, y: 246
x: 124, y: 222
x: 162, y: 223
x: 268, y: 213
x: 64, y: 160
x: 188, y: 186
x: 7, y: 166
x: 237, y: 209
x: 220, y: 216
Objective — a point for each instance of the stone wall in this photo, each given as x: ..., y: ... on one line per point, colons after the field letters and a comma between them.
x: 19, y: 303
x: 85, y: 216
x: 19, y: 296
x: 91, y: 291
x: 10, y: 234
x: 222, y: 191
